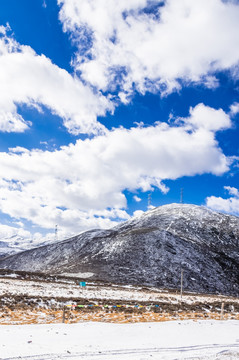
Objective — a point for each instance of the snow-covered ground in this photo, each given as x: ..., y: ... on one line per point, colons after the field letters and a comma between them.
x: 143, y: 341
x: 16, y: 287
x: 71, y: 290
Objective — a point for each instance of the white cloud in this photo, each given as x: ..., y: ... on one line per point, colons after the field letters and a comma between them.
x: 17, y: 238
x: 124, y: 46
x: 10, y: 231
x: 33, y: 80
x: 137, y: 198
x: 78, y: 182
x: 234, y: 109
x: 12, y: 122
x: 208, y: 118
x: 229, y: 205
x: 232, y: 191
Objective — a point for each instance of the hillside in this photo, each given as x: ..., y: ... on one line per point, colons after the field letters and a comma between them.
x: 149, y: 250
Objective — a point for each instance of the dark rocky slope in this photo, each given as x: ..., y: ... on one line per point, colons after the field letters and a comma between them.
x: 149, y: 250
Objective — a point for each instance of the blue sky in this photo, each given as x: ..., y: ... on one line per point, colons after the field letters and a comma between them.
x: 103, y: 103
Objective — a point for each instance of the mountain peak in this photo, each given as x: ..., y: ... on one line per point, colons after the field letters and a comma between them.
x: 149, y: 250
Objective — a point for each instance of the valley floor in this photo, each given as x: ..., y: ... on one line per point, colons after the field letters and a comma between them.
x: 111, y: 322
x: 32, y: 301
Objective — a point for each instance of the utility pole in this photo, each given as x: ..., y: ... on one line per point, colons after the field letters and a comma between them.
x: 56, y: 233
x: 181, y: 196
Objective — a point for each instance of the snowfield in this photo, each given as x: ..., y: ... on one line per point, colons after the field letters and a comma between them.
x: 164, y: 341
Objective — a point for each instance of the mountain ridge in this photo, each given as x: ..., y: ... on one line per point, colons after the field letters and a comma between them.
x: 149, y: 250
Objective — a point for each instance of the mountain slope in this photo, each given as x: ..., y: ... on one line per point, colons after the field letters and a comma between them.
x: 150, y: 250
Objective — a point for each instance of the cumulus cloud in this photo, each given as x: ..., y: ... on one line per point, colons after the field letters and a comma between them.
x: 137, y: 198
x: 80, y: 181
x: 149, y: 45
x: 33, y: 80
x: 229, y: 205
x: 234, y: 109
x: 208, y: 118
x: 121, y: 47
x: 232, y: 191
x: 12, y: 122
x: 7, y: 231
x: 17, y: 238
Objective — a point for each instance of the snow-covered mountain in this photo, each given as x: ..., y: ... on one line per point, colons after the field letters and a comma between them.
x: 149, y: 250
x: 10, y: 245
x: 15, y: 244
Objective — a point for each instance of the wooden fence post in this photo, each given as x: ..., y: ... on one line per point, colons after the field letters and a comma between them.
x: 64, y: 314
x: 222, y: 311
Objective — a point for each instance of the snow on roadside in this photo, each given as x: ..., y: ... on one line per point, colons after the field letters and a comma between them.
x: 88, y: 340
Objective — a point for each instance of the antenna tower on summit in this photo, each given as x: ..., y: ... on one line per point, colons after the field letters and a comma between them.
x: 181, y: 196
x: 56, y: 233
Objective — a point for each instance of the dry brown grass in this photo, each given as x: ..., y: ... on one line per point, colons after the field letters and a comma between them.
x: 49, y: 316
